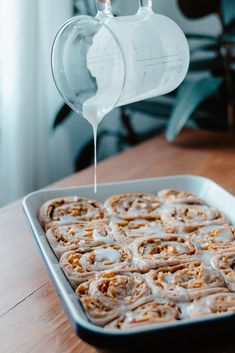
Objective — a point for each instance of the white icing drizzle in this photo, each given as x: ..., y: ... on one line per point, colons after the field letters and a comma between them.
x: 196, y: 310
x: 107, y: 254
x: 100, y: 237
x: 68, y: 219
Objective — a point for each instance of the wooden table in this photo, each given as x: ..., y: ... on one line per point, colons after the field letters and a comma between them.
x: 31, y: 316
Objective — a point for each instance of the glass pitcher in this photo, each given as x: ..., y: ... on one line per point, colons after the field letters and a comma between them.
x: 104, y: 62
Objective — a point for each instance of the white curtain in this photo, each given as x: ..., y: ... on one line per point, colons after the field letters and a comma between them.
x: 28, y: 97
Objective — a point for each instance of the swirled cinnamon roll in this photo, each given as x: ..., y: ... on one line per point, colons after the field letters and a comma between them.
x: 150, y: 313
x: 82, y: 236
x: 225, y: 264
x: 152, y: 252
x: 132, y: 206
x: 99, y: 313
x: 80, y: 267
x: 185, y: 282
x: 189, y: 218
x: 127, y: 231
x: 67, y: 210
x: 112, y: 289
x: 213, y: 304
x: 179, y: 196
x: 215, y: 238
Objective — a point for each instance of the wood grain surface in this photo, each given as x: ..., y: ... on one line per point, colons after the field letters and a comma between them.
x: 31, y: 316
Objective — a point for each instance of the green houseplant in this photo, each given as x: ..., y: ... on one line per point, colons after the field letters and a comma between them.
x: 209, y: 100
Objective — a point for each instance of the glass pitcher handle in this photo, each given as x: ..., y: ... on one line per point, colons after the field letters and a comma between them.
x: 104, y: 8
x: 146, y: 4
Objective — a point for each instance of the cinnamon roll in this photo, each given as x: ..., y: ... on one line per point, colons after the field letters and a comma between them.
x: 213, y: 304
x: 189, y: 218
x: 116, y: 290
x: 99, y: 313
x: 67, y: 210
x: 151, y: 313
x: 185, y: 282
x: 215, y: 238
x: 131, y: 206
x: 80, y: 267
x: 152, y: 252
x: 82, y: 236
x: 127, y: 231
x: 225, y: 264
x: 179, y: 196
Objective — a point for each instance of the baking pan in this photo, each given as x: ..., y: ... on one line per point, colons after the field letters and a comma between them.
x: 216, y: 327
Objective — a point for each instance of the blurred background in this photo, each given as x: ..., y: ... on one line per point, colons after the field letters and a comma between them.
x: 42, y: 141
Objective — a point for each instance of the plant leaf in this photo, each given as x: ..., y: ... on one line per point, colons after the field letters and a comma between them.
x: 190, y: 95
x: 85, y: 156
x: 61, y: 116
x: 197, y: 36
x: 205, y: 64
x: 228, y: 11
x: 151, y: 108
x: 199, y: 8
x: 205, y: 47
x: 229, y: 36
